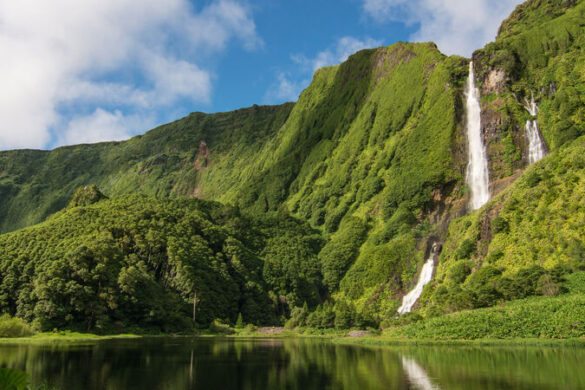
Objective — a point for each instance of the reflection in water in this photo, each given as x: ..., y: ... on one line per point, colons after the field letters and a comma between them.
x: 417, y: 376
x: 294, y: 364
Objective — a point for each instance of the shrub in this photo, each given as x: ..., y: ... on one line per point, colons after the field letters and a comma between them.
x: 500, y: 225
x: 14, y: 327
x: 459, y: 271
x: 547, y: 286
x: 466, y: 249
x: 217, y: 326
x: 298, y: 317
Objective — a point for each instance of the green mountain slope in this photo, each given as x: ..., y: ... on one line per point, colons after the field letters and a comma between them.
x: 372, y: 156
x: 173, y: 160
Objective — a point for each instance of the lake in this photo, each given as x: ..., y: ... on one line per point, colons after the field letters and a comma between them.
x: 224, y: 364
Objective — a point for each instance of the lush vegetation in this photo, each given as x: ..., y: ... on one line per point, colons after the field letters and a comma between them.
x: 137, y: 261
x: 557, y: 318
x: 194, y: 156
x: 14, y: 327
x: 540, y: 52
x: 524, y: 242
x: 329, y: 206
x: 17, y: 380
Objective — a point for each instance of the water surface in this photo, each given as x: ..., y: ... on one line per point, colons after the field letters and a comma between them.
x: 224, y: 364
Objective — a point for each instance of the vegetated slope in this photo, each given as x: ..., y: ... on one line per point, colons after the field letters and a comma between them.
x: 372, y: 155
x: 371, y: 150
x: 524, y: 240
x: 175, y: 160
x: 139, y: 262
x: 545, y: 317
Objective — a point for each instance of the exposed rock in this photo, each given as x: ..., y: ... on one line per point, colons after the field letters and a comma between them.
x: 492, y: 123
x: 494, y: 81
x: 271, y: 330
x: 358, y: 333
x: 202, y: 156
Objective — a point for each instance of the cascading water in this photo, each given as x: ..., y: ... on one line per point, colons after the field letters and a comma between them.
x: 477, y: 168
x: 426, y: 275
x: 536, y: 149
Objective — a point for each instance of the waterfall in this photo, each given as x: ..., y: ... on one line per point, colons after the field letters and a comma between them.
x: 477, y: 168
x: 536, y: 150
x: 417, y: 375
x: 426, y: 275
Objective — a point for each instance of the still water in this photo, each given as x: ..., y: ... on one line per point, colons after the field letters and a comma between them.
x: 225, y: 364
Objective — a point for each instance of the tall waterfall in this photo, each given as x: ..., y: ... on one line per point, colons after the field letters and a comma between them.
x: 477, y: 169
x: 536, y: 150
x: 426, y: 275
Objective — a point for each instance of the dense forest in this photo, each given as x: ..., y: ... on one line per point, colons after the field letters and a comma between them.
x: 321, y: 213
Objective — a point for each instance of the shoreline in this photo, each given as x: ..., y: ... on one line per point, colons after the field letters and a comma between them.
x: 341, y: 338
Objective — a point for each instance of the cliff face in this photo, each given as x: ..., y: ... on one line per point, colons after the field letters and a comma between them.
x: 373, y: 154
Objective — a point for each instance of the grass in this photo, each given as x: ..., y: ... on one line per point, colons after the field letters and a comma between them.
x: 65, y: 337
x: 545, y: 318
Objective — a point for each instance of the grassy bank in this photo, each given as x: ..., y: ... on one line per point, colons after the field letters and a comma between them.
x: 64, y: 337
x: 560, y: 317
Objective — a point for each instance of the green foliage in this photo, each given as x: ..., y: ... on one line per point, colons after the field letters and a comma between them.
x: 239, y: 322
x: 466, y: 249
x: 372, y: 155
x: 140, y: 262
x: 544, y: 317
x: 341, y: 251
x: 13, y: 379
x: 500, y: 225
x: 322, y: 317
x: 219, y: 327
x: 85, y: 196
x: 14, y: 327
x: 161, y: 163
x: 298, y: 317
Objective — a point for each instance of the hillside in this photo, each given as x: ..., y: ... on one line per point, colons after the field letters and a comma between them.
x: 369, y: 170
x: 172, y: 160
x: 112, y: 264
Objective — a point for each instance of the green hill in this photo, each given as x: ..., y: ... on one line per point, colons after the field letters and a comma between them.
x: 138, y: 261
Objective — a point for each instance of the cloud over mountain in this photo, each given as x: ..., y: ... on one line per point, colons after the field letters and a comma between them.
x: 108, y: 59
x: 457, y: 26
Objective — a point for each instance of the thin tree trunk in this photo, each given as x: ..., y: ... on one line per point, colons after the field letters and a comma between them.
x: 194, y: 306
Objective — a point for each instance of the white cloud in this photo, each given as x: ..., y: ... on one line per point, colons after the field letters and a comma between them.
x: 285, y: 90
x: 457, y: 26
x: 92, y: 52
x: 336, y: 54
x: 289, y: 85
x: 103, y: 125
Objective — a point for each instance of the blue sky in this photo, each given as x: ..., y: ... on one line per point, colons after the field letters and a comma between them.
x: 98, y: 70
